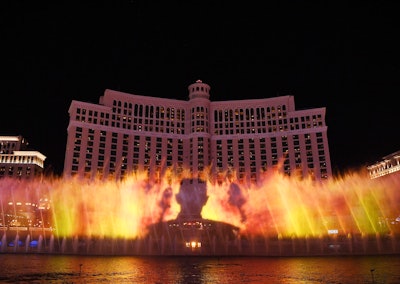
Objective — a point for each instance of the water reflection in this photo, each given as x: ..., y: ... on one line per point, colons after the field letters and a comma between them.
x: 19, y: 268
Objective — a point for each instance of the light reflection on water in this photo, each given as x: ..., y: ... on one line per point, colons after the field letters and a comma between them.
x: 37, y: 268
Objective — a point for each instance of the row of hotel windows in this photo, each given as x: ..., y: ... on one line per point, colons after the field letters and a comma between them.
x: 231, y: 124
x: 249, y: 113
x: 148, y: 111
x: 124, y: 154
x: 159, y: 112
x: 260, y: 126
x: 126, y: 114
x: 200, y: 154
x: 274, y: 150
x: 199, y: 112
x: 7, y: 147
x: 12, y: 171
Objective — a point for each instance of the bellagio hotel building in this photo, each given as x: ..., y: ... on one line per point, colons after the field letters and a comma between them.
x: 240, y: 139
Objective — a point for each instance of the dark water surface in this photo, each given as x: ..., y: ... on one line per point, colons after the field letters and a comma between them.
x: 41, y: 268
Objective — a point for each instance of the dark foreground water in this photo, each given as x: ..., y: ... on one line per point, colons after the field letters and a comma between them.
x: 41, y: 268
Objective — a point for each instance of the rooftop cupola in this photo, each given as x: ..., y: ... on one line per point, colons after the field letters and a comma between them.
x: 199, y: 90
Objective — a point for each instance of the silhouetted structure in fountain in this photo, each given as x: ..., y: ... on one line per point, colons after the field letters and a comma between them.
x: 189, y: 233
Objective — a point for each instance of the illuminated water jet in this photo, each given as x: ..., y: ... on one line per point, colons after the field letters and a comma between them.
x: 352, y: 214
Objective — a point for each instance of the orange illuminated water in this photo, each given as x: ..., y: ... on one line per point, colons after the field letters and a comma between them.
x: 276, y: 206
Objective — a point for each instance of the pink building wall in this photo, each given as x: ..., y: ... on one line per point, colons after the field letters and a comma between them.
x: 126, y: 132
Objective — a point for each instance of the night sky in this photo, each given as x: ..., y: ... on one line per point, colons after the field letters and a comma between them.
x: 335, y: 54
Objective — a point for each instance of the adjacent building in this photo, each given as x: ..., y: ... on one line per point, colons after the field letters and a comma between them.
x: 388, y: 165
x: 17, y: 161
x: 241, y: 139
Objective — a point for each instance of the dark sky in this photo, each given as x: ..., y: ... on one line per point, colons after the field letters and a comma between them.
x: 342, y: 55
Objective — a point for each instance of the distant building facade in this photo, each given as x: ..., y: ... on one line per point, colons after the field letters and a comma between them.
x: 389, y: 165
x: 17, y: 161
x: 128, y: 133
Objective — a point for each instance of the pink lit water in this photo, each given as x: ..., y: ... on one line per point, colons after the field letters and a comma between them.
x: 37, y: 268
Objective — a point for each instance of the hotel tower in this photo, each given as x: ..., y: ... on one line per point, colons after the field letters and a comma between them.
x: 240, y: 139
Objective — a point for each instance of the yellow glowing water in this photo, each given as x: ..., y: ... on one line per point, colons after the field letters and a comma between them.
x: 277, y: 206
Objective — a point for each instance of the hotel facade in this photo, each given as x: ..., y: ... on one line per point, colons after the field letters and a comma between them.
x: 388, y: 165
x: 17, y: 161
x: 237, y: 139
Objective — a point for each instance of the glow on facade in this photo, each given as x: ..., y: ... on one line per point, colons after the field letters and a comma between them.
x: 127, y: 133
